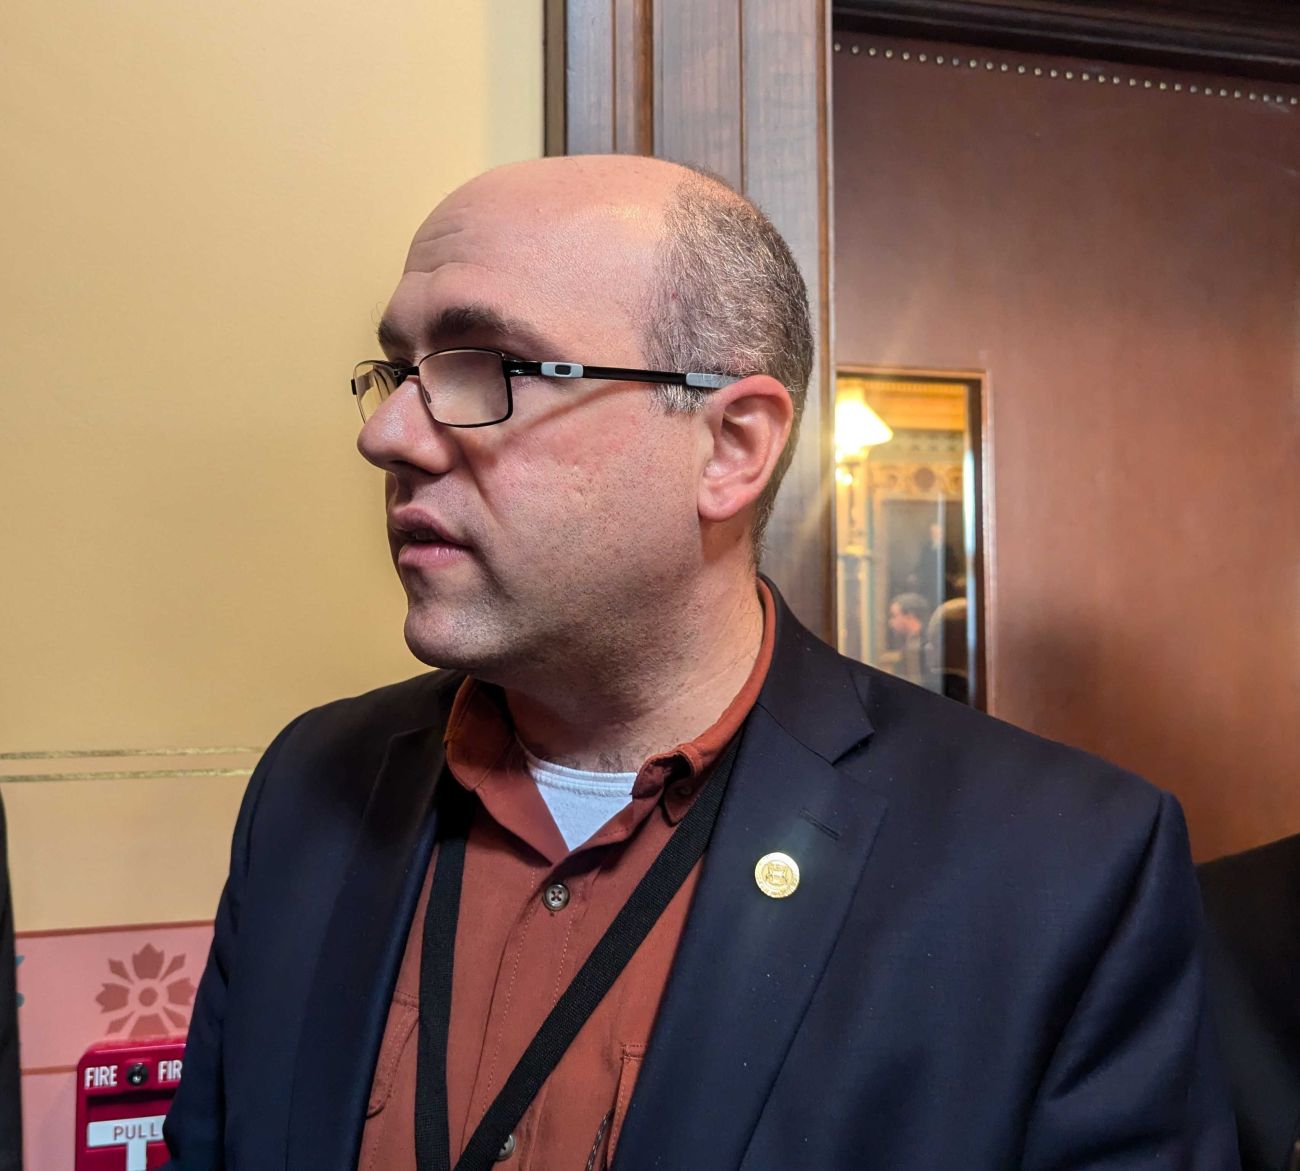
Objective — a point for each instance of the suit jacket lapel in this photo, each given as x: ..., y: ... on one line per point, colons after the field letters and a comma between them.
x: 360, y: 954
x: 748, y: 964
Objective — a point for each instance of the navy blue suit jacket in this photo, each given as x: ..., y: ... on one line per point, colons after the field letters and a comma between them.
x: 991, y: 962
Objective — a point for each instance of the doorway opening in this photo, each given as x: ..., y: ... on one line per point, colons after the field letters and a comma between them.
x: 909, y: 541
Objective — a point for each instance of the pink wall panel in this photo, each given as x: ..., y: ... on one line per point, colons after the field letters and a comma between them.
x: 79, y: 987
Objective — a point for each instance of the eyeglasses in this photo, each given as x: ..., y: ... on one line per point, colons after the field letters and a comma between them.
x: 472, y: 387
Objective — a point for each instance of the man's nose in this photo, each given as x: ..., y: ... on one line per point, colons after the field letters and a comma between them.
x: 402, y: 434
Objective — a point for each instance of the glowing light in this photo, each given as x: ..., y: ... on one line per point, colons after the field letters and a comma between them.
x: 857, y: 427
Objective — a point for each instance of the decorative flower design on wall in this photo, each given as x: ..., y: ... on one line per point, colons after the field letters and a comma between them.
x: 153, y: 999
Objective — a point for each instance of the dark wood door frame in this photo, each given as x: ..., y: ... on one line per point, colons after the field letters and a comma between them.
x: 742, y: 89
x: 1248, y: 38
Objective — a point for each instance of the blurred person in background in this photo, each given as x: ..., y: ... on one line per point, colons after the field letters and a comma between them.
x: 908, y: 615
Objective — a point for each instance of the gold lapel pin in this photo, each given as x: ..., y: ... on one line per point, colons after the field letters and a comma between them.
x: 777, y: 875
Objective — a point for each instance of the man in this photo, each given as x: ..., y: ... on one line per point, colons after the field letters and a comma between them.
x: 1252, y: 902
x: 467, y: 919
x: 939, y: 574
x: 947, y: 660
x: 908, y: 616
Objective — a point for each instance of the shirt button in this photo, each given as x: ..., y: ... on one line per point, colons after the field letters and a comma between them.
x: 556, y: 897
x: 507, y: 1149
x: 683, y: 789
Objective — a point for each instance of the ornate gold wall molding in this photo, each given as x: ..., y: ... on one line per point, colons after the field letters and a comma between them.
x: 916, y: 481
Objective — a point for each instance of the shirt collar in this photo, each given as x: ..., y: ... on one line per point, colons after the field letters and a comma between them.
x: 485, y: 757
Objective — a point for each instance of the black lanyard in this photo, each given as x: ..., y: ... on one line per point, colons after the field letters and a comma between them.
x: 588, y: 988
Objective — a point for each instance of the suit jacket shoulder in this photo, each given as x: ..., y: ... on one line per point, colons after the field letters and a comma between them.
x: 359, y: 722
x: 326, y: 759
x: 938, y: 759
x: 991, y: 959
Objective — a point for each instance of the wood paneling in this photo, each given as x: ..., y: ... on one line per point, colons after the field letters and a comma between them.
x: 698, y: 99
x: 787, y: 173
x: 599, y: 93
x: 1252, y: 38
x: 1122, y: 261
x: 739, y: 88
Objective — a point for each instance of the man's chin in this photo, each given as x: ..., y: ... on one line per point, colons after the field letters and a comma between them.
x: 434, y: 652
x: 437, y: 644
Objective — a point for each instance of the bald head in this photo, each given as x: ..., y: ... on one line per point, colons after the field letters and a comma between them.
x: 624, y: 181
x: 655, y: 265
x: 606, y: 511
x: 589, y: 220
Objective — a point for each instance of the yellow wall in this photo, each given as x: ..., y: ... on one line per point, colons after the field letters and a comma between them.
x: 205, y: 207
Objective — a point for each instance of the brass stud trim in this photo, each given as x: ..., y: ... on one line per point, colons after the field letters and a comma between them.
x: 1090, y: 76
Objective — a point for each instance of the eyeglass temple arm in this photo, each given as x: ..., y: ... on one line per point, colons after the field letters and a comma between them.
x: 620, y: 374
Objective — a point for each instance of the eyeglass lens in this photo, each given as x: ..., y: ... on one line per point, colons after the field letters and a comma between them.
x: 462, y: 388
x: 372, y: 384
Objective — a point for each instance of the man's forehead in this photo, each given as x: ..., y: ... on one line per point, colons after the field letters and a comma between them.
x: 560, y: 205
x: 509, y: 233
x: 561, y: 271
x: 571, y: 185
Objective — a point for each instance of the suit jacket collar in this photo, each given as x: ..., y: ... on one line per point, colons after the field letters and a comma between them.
x: 748, y: 965
x: 811, y: 691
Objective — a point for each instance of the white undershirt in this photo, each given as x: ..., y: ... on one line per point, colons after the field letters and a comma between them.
x: 580, y: 802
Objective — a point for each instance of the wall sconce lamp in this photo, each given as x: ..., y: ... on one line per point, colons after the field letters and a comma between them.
x: 857, y: 427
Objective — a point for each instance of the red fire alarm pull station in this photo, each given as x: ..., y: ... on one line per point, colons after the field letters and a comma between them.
x: 124, y: 1090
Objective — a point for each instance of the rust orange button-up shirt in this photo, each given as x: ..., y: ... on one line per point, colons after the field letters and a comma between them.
x: 515, y: 957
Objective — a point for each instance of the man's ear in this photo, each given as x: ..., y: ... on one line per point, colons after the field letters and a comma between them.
x: 747, y: 424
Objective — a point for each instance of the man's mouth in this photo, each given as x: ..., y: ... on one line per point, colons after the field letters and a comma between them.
x: 416, y: 525
x: 421, y: 542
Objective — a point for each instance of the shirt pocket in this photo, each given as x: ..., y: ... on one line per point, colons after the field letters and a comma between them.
x: 629, y: 1070
x: 403, y: 1016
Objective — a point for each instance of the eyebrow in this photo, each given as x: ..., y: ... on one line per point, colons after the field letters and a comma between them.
x: 460, y: 321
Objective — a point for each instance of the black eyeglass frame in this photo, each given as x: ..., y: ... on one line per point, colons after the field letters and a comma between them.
x: 515, y: 367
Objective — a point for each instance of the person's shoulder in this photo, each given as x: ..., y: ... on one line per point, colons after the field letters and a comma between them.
x: 1018, y: 829
x: 418, y: 702
x: 951, y: 756
x: 348, y: 736
x: 1257, y: 886
x: 329, y: 756
x: 1274, y: 860
x: 1252, y: 911
x: 934, y: 756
